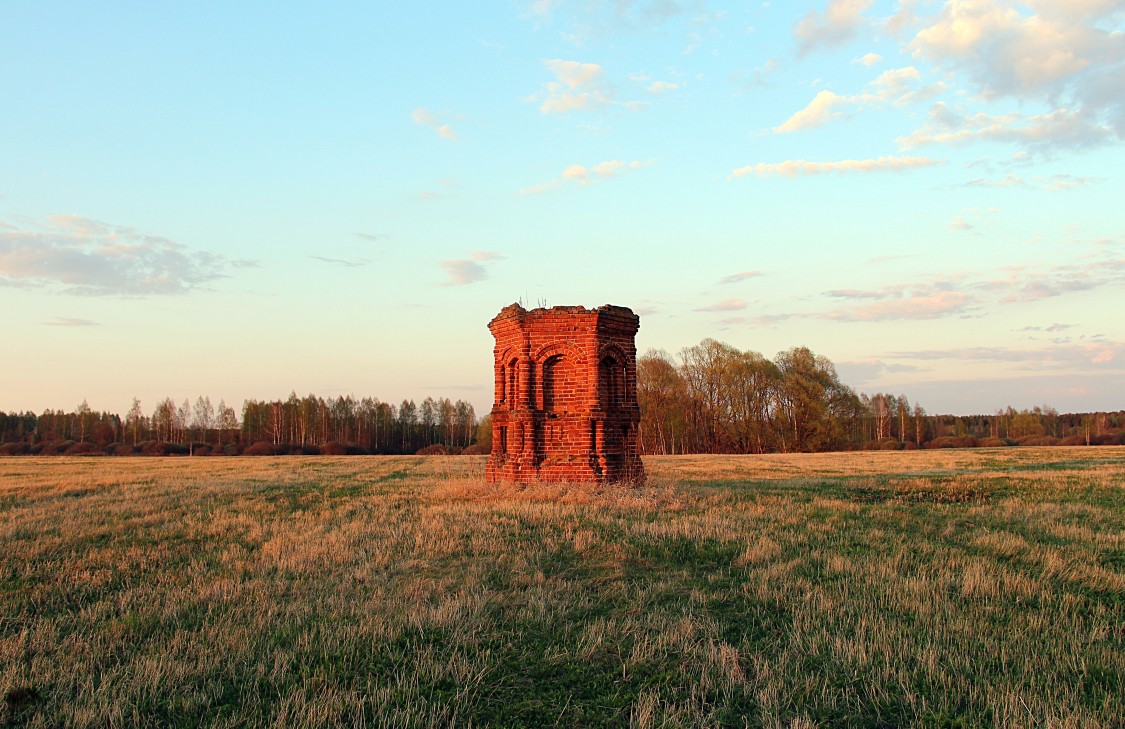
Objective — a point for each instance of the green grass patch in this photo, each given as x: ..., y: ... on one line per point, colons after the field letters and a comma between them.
x: 923, y: 589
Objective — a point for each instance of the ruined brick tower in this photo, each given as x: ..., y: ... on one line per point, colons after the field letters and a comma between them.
x: 566, y: 395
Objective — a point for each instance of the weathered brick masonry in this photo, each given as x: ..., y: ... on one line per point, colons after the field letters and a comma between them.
x: 566, y: 395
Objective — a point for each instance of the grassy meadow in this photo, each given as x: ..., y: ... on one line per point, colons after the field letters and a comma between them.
x: 925, y: 588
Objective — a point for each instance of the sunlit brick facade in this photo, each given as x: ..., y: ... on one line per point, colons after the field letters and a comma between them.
x: 566, y: 395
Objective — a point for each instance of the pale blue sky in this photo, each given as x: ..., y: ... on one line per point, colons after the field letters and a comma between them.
x: 240, y: 200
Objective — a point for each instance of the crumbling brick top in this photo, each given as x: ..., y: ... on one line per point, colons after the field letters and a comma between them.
x: 517, y: 311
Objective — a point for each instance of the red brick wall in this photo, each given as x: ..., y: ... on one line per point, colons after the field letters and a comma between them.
x: 566, y: 395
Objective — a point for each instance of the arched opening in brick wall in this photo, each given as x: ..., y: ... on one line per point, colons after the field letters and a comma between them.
x: 511, y: 390
x: 557, y: 375
x: 611, y: 382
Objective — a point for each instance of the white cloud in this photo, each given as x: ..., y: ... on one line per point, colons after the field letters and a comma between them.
x: 869, y: 59
x: 85, y: 256
x: 1007, y: 51
x: 462, y: 271
x: 539, y: 189
x: 574, y: 74
x: 895, y: 84
x: 793, y: 168
x: 824, y: 107
x: 905, y: 18
x: 838, y: 24
x: 426, y: 118
x: 1064, y: 53
x: 898, y: 86
x: 577, y: 87
x: 662, y: 87
x: 583, y: 175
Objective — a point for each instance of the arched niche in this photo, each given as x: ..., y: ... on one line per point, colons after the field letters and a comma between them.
x: 561, y: 377
x: 558, y: 378
x: 611, y: 382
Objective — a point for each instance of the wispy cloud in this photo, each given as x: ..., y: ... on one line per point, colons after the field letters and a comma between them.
x: 866, y: 371
x: 838, y: 24
x: 543, y: 8
x: 661, y: 87
x: 967, y: 293
x: 742, y: 276
x: 1054, y: 183
x: 346, y: 263
x: 755, y: 78
x: 427, y: 118
x: 861, y: 294
x: 463, y: 271
x: 445, y: 190
x: 89, y: 257
x: 911, y: 306
x: 794, y: 168
x: 961, y: 294
x: 889, y: 258
x: 1075, y: 354
x: 1061, y: 129
x: 1050, y: 329
x: 583, y: 175
x: 371, y: 237
x: 66, y: 321
x: 727, y: 305
x: 593, y: 19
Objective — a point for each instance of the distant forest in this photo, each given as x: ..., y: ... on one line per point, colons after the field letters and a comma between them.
x: 713, y: 398
x: 310, y: 425
x: 718, y: 399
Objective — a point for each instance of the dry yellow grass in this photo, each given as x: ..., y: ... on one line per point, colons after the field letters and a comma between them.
x: 917, y: 588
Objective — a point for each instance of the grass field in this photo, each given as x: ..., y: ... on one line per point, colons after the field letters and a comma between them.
x: 925, y: 588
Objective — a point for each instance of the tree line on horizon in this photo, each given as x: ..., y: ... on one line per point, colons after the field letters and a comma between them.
x: 719, y: 399
x: 714, y: 399
x: 308, y: 425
